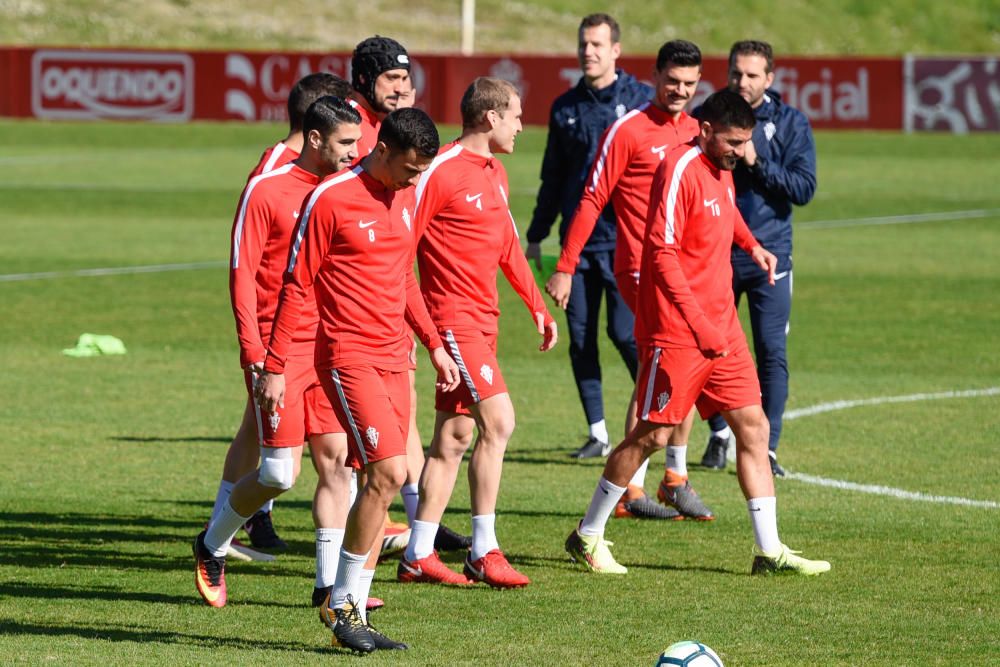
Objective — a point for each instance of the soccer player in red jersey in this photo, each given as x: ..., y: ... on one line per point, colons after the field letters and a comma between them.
x: 262, y: 231
x: 696, y: 353
x: 380, y: 72
x: 306, y: 90
x: 630, y: 151
x: 468, y: 234
x: 355, y: 246
x: 380, y: 77
x: 243, y: 453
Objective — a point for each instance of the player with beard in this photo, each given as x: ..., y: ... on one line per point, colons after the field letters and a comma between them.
x: 243, y: 453
x: 631, y: 150
x: 262, y: 232
x: 355, y: 246
x: 380, y: 76
x: 695, y: 349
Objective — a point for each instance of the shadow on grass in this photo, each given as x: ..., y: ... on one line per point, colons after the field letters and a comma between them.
x: 23, y: 590
x: 145, y: 635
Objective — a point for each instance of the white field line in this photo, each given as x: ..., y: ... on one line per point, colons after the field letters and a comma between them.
x: 112, y: 271
x: 816, y: 224
x: 901, y: 219
x: 888, y: 490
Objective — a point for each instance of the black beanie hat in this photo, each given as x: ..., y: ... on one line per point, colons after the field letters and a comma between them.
x: 372, y: 57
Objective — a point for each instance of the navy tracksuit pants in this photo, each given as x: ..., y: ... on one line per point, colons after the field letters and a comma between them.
x: 594, y: 279
x: 770, y: 308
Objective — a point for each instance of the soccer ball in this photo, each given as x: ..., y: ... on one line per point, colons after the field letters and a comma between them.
x: 689, y: 654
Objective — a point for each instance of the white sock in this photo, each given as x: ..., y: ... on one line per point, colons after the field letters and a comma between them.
x: 221, y: 498
x: 484, y: 535
x: 411, y: 498
x: 606, y: 496
x: 364, y: 588
x: 267, y: 506
x: 328, y: 543
x: 724, y: 433
x: 639, y: 478
x: 222, y: 529
x: 677, y: 456
x: 421, y: 544
x: 348, y: 580
x: 764, y: 517
x: 354, y: 489
x: 599, y: 430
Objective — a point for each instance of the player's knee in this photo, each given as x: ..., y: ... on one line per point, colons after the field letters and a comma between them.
x: 500, y: 430
x: 387, y: 477
x: 277, y: 468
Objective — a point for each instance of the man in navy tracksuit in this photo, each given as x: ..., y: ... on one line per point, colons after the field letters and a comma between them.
x: 777, y: 171
x: 577, y: 120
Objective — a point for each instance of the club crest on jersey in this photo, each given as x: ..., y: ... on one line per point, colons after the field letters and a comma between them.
x: 372, y: 435
x: 406, y: 217
x: 487, y: 374
x: 662, y: 400
x: 274, y: 419
x: 620, y: 110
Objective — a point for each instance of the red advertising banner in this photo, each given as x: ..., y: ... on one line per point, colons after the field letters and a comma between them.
x: 952, y: 94
x: 956, y: 95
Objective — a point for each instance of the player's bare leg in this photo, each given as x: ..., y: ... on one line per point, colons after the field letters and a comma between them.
x: 753, y: 468
x: 420, y: 563
x: 330, y: 506
x: 586, y: 545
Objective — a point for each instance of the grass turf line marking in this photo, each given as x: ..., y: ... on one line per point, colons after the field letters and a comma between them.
x: 901, y: 219
x: 888, y: 490
x: 112, y: 271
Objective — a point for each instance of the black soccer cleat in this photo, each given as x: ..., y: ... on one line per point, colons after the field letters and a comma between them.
x: 383, y: 643
x: 349, y: 631
x: 262, y: 534
x: 448, y: 540
x: 714, y: 457
x: 592, y: 449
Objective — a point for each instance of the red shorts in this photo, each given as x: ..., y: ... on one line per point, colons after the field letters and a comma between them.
x: 628, y: 287
x: 375, y: 407
x: 674, y: 379
x: 475, y: 353
x: 307, y: 410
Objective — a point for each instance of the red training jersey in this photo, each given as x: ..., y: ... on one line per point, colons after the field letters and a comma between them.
x: 686, y: 279
x: 468, y: 232
x: 276, y: 156
x: 262, y: 230
x: 631, y: 150
x: 354, y: 245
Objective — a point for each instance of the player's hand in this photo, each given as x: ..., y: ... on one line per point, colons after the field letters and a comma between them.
x: 559, y: 285
x: 447, y: 370
x: 550, y: 333
x: 534, y: 254
x: 766, y: 261
x: 413, y: 353
x: 270, y: 391
x: 710, y: 340
x: 749, y: 154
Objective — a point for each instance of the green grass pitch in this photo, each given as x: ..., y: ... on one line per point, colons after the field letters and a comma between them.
x: 108, y: 466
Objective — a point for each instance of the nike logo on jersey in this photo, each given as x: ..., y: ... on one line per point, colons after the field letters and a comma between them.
x: 659, y: 150
x: 475, y: 198
x: 710, y: 202
x: 365, y: 225
x: 713, y: 206
x: 779, y: 276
